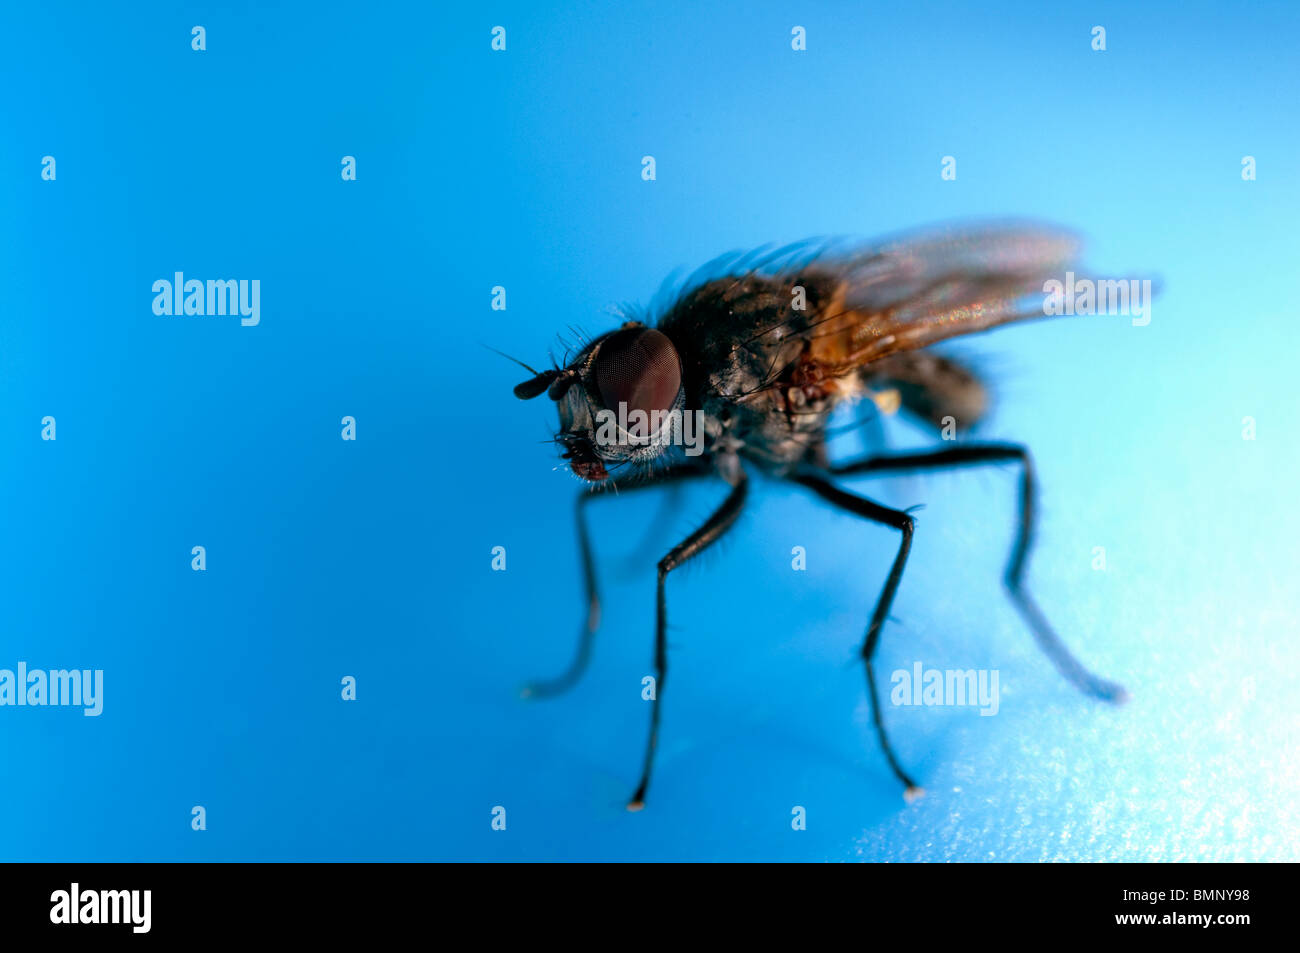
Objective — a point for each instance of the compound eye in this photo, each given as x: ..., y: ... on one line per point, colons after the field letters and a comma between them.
x: 638, y: 367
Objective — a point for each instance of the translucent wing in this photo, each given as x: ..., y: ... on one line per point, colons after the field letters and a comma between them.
x: 917, y: 290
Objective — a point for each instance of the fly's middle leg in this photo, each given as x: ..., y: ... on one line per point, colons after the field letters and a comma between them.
x: 900, y: 521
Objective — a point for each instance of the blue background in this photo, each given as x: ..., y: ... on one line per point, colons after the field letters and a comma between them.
x: 522, y: 168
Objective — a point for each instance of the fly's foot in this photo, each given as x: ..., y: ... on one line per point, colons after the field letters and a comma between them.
x: 1112, y: 692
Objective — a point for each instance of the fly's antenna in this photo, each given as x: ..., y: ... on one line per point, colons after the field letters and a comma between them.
x: 557, y: 381
x: 509, y: 358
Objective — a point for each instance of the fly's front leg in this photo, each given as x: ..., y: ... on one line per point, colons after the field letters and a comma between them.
x: 586, y: 638
x: 900, y: 521
x: 713, y: 529
x: 990, y: 453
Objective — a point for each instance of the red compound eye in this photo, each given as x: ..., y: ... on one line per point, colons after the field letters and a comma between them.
x: 638, y: 367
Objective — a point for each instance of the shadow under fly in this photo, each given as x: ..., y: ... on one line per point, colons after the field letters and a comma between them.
x: 743, y: 369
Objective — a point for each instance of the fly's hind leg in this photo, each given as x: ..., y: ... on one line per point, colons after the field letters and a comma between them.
x: 977, y: 454
x: 587, y: 637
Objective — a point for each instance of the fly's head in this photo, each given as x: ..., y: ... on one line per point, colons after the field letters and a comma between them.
x: 617, y: 399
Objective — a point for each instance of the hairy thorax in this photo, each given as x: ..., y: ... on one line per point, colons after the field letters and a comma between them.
x: 764, y: 359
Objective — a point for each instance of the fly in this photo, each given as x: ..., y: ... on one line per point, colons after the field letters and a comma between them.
x: 752, y: 358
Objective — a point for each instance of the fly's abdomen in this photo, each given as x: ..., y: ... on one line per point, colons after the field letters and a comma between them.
x: 935, y: 389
